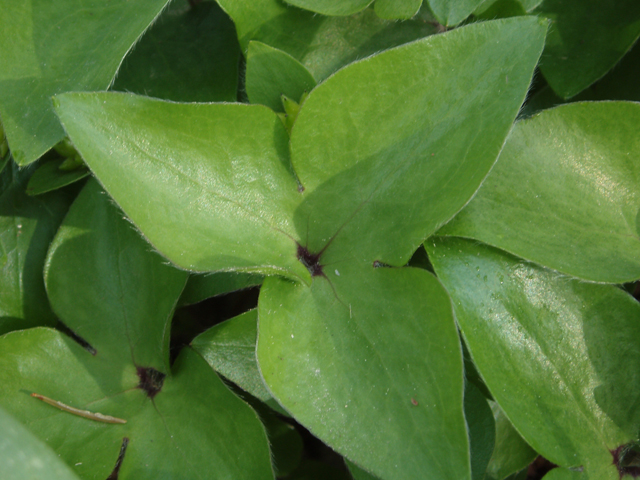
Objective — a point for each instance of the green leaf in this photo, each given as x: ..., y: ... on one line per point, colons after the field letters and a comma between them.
x: 553, y: 351
x: 379, y: 382
x: 98, y: 259
x: 332, y: 7
x: 586, y: 39
x: 48, y: 177
x: 322, y: 44
x: 501, y: 9
x: 357, y: 473
x: 619, y: 84
x: 591, y: 229
x: 397, y: 9
x: 431, y: 145
x: 193, y: 425
x: 23, y: 456
x: 481, y: 427
x: 452, y: 12
x: 564, y: 474
x: 272, y: 73
x: 190, y: 54
x: 118, y: 296
x: 202, y: 286
x: 530, y: 4
x: 27, y: 226
x: 221, y: 202
x: 49, y: 48
x: 511, y: 453
x: 230, y: 349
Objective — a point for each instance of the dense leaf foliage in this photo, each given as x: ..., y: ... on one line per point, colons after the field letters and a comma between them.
x: 432, y: 270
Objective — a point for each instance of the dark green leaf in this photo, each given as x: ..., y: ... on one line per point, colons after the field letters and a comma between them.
x: 511, y: 453
x: 27, y: 226
x: 586, y: 39
x: 566, y: 193
x: 481, y: 427
x: 190, y: 54
x: 49, y: 177
x: 53, y: 47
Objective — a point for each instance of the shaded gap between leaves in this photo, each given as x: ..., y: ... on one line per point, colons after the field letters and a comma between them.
x: 77, y: 338
x: 116, y: 469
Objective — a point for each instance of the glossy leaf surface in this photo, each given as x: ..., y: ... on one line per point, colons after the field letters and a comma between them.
x: 565, y: 193
x: 272, y: 73
x: 361, y: 373
x: 179, y: 422
x: 452, y: 12
x: 554, y: 352
x: 219, y: 203
x: 331, y: 7
x: 27, y: 226
x: 441, y: 145
x: 586, y: 39
x: 322, y: 44
x: 190, y: 54
x: 49, y: 48
x: 23, y: 456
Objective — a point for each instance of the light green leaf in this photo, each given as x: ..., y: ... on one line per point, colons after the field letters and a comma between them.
x: 452, y: 12
x: 272, y: 73
x: 23, y: 456
x: 332, y: 7
x: 397, y: 9
x: 432, y: 140
x: 194, y: 424
x: 97, y: 258
x: 215, y: 179
x: 565, y: 193
x: 564, y: 474
x: 49, y: 177
x: 511, y: 453
x: 553, y: 351
x: 586, y: 39
x: 380, y: 382
x: 27, y: 226
x: 322, y: 44
x: 52, y: 47
x: 202, y: 286
x: 190, y: 54
x: 230, y: 349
